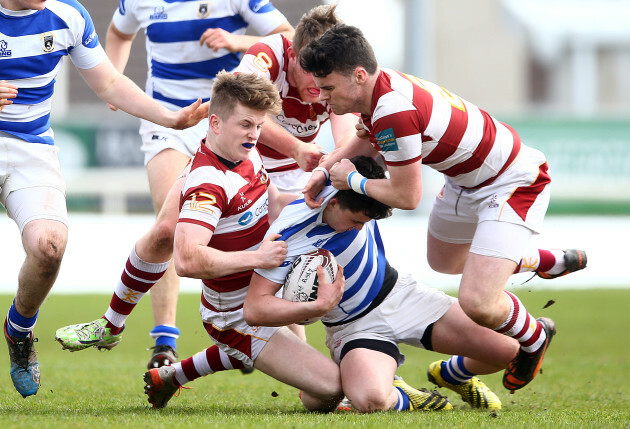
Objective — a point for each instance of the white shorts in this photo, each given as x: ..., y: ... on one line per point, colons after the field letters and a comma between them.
x: 291, y: 181
x: 156, y: 138
x: 236, y: 338
x: 511, y: 209
x: 403, y: 317
x: 31, y: 184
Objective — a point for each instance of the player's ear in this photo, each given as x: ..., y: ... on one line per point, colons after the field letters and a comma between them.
x: 360, y: 75
x: 214, y: 123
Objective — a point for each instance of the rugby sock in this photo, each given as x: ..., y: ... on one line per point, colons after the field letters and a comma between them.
x: 136, y: 280
x: 18, y: 325
x: 206, y: 362
x: 165, y: 335
x: 522, y: 326
x: 454, y: 372
x: 403, y: 403
x: 541, y: 260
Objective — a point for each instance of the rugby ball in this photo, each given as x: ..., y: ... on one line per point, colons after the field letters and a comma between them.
x: 302, y: 283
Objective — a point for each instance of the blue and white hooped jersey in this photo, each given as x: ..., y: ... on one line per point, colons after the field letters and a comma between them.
x: 360, y: 253
x: 179, y: 69
x: 32, y: 45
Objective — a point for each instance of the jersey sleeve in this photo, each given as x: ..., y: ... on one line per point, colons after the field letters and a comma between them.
x: 202, y: 203
x: 125, y: 17
x: 264, y: 58
x: 261, y: 15
x: 87, y: 51
x: 396, y: 130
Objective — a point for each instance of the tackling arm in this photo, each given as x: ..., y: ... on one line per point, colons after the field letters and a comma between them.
x: 193, y: 257
x: 218, y: 38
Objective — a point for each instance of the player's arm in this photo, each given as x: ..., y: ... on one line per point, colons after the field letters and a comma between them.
x: 218, y: 38
x: 7, y: 92
x: 263, y: 308
x: 343, y: 128
x: 194, y: 259
x: 354, y: 147
x: 118, y: 48
x: 403, y: 189
x: 307, y: 155
x: 277, y: 201
x: 115, y: 88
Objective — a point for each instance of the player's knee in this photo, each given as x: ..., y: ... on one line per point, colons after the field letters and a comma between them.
x: 48, y: 251
x: 480, y: 312
x: 371, y: 400
x: 162, y: 235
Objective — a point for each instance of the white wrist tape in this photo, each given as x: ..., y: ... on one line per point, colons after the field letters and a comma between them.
x: 323, y: 170
x: 357, y: 182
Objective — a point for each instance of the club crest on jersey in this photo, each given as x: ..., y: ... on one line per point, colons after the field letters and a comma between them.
x: 260, y: 6
x: 264, y: 178
x: 4, y: 49
x: 204, y: 10
x: 386, y: 140
x: 49, y: 43
x: 158, y: 14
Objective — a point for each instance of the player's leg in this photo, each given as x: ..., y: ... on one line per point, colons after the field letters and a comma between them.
x: 34, y: 195
x: 290, y: 360
x: 146, y: 264
x: 163, y: 170
x: 476, y: 350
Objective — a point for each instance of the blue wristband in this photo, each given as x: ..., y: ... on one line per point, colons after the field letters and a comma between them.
x: 357, y: 182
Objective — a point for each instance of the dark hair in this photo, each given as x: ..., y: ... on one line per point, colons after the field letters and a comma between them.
x: 313, y: 24
x: 341, y: 49
x: 350, y: 200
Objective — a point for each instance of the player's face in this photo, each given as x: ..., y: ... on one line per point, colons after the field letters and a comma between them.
x: 236, y: 136
x: 301, y: 80
x: 341, y: 92
x: 24, y: 4
x: 342, y: 220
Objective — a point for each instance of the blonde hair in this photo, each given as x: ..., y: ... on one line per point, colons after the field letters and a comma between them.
x: 250, y: 90
x: 313, y: 24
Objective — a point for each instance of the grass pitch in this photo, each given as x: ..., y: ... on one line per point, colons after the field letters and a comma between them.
x: 585, y: 380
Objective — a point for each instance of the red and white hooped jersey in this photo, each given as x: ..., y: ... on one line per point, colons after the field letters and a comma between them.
x: 414, y: 119
x: 269, y: 58
x: 231, y: 201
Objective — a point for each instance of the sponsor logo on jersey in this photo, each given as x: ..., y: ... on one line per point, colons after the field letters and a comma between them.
x: 90, y: 39
x: 386, y: 140
x: 297, y: 128
x: 285, y: 263
x: 204, y: 10
x: 121, y: 7
x: 319, y: 243
x: 4, y: 49
x: 246, y: 218
x: 49, y: 43
x: 257, y: 5
x: 158, y: 13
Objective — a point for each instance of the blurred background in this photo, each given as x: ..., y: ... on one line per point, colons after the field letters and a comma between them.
x: 558, y: 71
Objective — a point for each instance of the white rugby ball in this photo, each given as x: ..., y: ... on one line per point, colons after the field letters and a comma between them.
x: 302, y: 283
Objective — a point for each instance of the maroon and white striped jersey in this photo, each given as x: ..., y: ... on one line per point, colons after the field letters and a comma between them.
x: 231, y: 200
x: 269, y: 58
x: 414, y: 119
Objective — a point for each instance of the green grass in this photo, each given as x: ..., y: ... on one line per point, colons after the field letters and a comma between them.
x: 585, y: 383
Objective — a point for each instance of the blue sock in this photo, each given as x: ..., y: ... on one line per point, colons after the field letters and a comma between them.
x: 18, y: 325
x: 165, y: 335
x: 454, y: 371
x: 403, y: 400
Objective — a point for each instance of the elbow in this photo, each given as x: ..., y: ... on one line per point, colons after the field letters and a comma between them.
x: 250, y: 315
x: 183, y: 267
x: 408, y: 202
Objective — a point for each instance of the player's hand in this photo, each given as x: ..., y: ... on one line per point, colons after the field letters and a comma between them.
x: 308, y: 155
x: 190, y: 115
x: 7, y: 92
x: 329, y: 294
x: 218, y: 38
x: 312, y: 189
x: 361, y: 131
x: 339, y: 174
x: 272, y: 252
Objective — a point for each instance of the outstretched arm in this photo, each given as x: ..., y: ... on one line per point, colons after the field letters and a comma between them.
x: 218, y: 38
x: 117, y: 48
x: 117, y: 89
